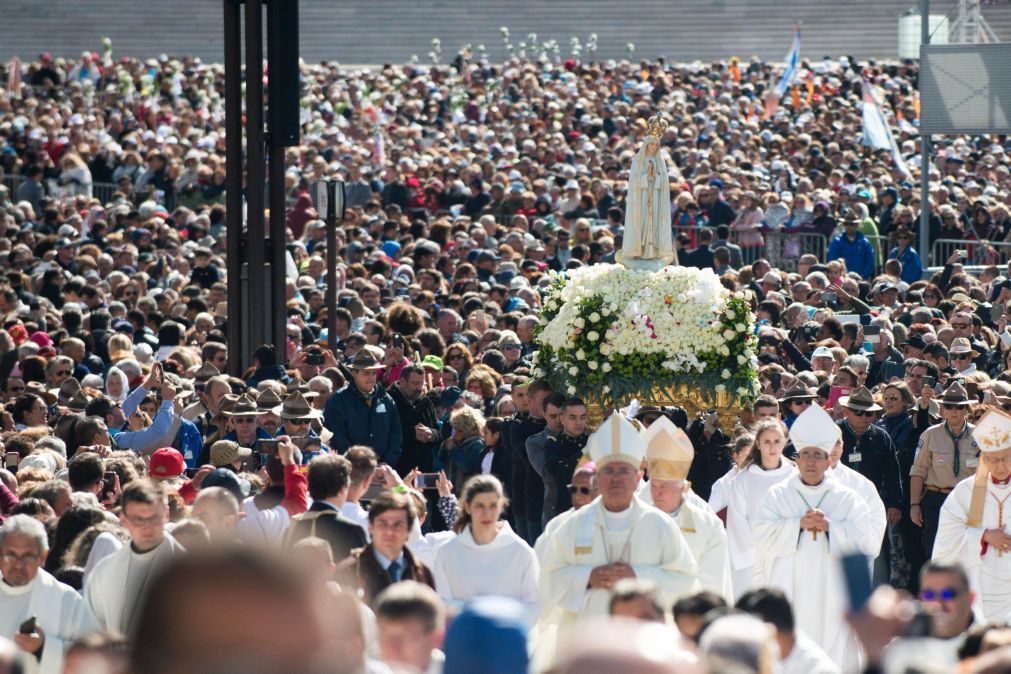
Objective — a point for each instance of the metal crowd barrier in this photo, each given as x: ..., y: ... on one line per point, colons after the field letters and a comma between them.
x: 977, y: 252
x: 103, y: 192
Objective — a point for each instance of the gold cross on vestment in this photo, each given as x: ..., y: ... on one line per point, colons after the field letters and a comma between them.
x: 814, y: 534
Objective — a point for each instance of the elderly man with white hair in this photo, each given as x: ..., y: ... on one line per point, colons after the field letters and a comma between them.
x: 27, y: 591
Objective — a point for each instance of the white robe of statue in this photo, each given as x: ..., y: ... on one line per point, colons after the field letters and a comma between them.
x: 746, y: 493
x: 806, y: 566
x: 647, y: 233
x: 990, y: 571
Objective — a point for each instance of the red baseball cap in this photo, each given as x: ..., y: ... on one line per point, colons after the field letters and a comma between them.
x: 167, y: 463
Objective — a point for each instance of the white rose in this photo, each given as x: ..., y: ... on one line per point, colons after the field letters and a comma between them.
x: 580, y: 355
x: 741, y: 360
x: 742, y: 390
x: 606, y: 367
x: 573, y: 370
x: 729, y: 334
x: 594, y: 317
x: 724, y: 351
x: 593, y: 336
x: 606, y: 389
x: 725, y: 374
x: 605, y: 349
x: 571, y: 390
x: 720, y: 388
x: 592, y: 365
x: 741, y: 327
x: 579, y: 322
x: 731, y: 315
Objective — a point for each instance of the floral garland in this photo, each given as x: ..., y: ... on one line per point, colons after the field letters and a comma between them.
x: 610, y: 334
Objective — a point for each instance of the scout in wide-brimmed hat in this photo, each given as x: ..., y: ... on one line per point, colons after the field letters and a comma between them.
x: 267, y: 401
x: 296, y: 406
x: 861, y: 400
x: 299, y: 385
x: 245, y: 406
x: 956, y: 394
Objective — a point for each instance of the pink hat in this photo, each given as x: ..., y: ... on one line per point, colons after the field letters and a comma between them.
x: 42, y: 339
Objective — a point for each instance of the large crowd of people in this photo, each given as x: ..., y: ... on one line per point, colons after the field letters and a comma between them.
x: 405, y: 494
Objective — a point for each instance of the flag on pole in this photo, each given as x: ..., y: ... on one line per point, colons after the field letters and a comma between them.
x: 792, y: 65
x: 14, y: 78
x: 877, y: 133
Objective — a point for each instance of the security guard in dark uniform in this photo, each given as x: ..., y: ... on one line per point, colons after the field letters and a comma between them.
x: 563, y: 451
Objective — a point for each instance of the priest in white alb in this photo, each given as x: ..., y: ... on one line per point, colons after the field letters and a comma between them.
x: 868, y: 493
x: 27, y: 591
x: 669, y: 454
x: 616, y: 536
x: 803, y: 527
x: 974, y: 525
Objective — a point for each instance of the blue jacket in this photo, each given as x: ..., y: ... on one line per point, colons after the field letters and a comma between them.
x: 912, y: 268
x: 858, y: 254
x: 375, y: 422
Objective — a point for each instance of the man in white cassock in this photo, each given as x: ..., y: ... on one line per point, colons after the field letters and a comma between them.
x: 669, y: 454
x: 973, y: 527
x: 868, y: 493
x: 616, y: 536
x: 804, y: 525
x: 26, y: 590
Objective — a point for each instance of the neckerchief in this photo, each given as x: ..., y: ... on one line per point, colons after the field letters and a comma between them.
x: 955, y: 439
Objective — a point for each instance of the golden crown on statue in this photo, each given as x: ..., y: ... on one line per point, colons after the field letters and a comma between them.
x: 656, y: 125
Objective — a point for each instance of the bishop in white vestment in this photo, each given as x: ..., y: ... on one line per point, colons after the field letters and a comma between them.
x: 973, y: 527
x: 669, y: 454
x: 616, y: 536
x: 803, y: 527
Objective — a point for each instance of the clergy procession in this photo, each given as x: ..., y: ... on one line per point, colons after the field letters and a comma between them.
x: 585, y: 363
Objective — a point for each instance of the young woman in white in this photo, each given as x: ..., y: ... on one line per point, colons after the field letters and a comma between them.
x: 486, y: 557
x: 765, y: 467
x: 719, y: 496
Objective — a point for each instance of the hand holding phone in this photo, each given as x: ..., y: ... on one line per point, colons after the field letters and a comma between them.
x: 426, y: 481
x: 11, y: 461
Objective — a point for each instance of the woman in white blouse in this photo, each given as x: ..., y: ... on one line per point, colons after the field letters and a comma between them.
x: 486, y: 557
x: 766, y: 467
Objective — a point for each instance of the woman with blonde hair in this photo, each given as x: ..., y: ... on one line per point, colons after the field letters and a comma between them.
x: 75, y: 180
x: 486, y: 557
x: 460, y: 455
x: 119, y: 347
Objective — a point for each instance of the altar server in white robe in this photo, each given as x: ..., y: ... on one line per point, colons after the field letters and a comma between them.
x: 766, y: 466
x: 804, y: 526
x: 26, y: 590
x: 486, y: 557
x: 616, y: 536
x: 116, y: 589
x: 868, y: 493
x: 974, y: 523
x: 669, y: 455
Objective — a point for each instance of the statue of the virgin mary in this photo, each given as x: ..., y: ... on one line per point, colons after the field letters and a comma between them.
x: 648, y: 241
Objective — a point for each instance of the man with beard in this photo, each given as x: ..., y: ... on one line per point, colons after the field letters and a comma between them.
x: 417, y: 419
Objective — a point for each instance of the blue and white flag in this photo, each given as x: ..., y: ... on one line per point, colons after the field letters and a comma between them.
x: 877, y: 133
x: 792, y: 65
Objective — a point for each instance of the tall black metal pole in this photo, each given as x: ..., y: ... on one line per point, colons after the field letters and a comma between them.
x: 278, y: 259
x: 925, y: 150
x: 331, y: 266
x: 255, y: 178
x: 237, y: 346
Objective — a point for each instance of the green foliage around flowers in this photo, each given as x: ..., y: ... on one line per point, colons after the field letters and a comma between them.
x: 600, y: 375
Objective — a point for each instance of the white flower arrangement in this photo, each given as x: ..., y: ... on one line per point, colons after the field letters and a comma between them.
x: 615, y: 333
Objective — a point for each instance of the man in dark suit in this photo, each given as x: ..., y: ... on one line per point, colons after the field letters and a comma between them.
x: 386, y: 560
x: 329, y: 476
x: 701, y: 257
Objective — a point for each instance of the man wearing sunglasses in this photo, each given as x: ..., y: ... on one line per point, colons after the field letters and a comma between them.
x: 973, y: 525
x: 945, y: 595
x: 869, y: 450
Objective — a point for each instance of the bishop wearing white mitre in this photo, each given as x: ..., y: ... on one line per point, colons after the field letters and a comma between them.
x: 804, y: 525
x: 616, y: 536
x: 973, y: 527
x: 669, y: 455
